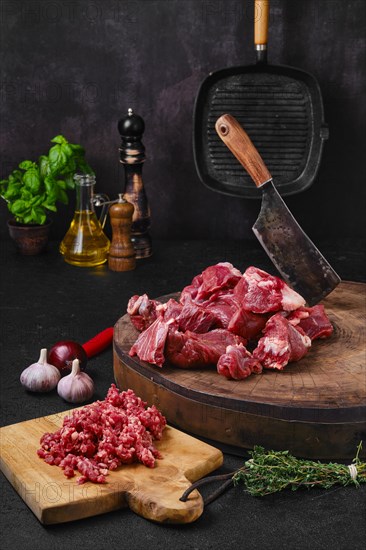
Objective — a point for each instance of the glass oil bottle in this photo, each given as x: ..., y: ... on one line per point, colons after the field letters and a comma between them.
x: 85, y: 243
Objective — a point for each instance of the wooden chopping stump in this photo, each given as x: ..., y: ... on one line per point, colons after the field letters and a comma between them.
x: 315, y: 408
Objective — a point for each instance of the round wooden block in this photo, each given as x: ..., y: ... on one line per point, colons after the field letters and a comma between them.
x: 315, y: 408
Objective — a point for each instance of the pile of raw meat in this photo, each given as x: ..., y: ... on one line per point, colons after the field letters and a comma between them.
x: 102, y: 436
x: 241, y: 323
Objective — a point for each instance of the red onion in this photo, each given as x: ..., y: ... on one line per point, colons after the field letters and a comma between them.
x: 62, y: 354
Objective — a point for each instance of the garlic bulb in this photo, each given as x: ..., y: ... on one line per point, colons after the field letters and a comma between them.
x: 77, y: 386
x: 40, y: 376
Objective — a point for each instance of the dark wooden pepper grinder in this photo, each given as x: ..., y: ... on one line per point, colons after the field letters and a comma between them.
x: 122, y: 255
x: 132, y: 156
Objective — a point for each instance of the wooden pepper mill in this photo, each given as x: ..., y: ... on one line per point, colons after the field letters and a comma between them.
x: 132, y: 156
x: 122, y: 255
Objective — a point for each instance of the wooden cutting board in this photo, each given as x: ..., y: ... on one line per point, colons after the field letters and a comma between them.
x: 153, y: 493
x: 315, y: 408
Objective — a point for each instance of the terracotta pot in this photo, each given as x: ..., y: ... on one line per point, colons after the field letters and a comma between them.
x: 29, y: 239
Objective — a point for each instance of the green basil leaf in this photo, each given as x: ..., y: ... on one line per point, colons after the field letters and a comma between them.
x: 31, y: 180
x: 62, y: 196
x: 13, y: 191
x: 18, y: 207
x: 44, y: 166
x: 49, y: 206
x: 26, y: 164
x: 61, y: 184
x: 25, y: 194
x: 50, y: 184
x: 78, y: 149
x: 69, y: 180
x: 52, y: 197
x: 37, y: 200
x: 15, y: 176
x: 28, y: 218
x: 3, y: 190
x: 39, y: 215
x: 59, y: 139
x: 69, y: 168
x: 58, y: 158
x: 67, y: 149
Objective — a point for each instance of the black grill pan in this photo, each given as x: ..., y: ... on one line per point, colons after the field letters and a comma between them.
x: 280, y: 107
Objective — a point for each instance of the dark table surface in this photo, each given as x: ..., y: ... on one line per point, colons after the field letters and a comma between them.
x: 44, y: 300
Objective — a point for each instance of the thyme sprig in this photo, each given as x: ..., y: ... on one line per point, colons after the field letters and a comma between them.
x: 268, y: 472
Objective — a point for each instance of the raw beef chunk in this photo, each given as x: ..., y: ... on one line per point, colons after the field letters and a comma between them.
x: 170, y: 310
x: 195, y: 318
x: 281, y: 343
x: 217, y: 277
x: 260, y: 292
x: 150, y: 344
x: 190, y: 291
x: 212, y: 280
x: 247, y: 324
x: 142, y: 311
x: 238, y: 363
x: 223, y: 307
x: 189, y: 350
x: 313, y: 321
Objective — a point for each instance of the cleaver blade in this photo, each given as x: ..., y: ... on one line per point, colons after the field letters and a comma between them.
x: 295, y: 256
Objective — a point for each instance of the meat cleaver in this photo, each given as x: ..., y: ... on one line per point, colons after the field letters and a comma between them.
x: 295, y: 256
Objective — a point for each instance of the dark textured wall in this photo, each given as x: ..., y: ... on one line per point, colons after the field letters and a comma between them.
x: 75, y: 66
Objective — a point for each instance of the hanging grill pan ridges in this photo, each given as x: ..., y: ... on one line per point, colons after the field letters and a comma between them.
x: 282, y: 110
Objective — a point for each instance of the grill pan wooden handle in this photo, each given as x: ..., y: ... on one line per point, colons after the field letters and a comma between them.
x: 261, y: 16
x: 239, y: 143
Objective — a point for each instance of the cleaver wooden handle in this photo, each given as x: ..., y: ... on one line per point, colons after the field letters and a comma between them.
x: 239, y: 143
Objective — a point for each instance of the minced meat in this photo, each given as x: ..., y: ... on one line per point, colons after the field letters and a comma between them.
x: 103, y: 435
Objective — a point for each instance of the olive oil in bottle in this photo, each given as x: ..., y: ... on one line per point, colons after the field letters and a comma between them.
x: 85, y: 243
